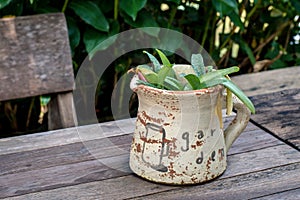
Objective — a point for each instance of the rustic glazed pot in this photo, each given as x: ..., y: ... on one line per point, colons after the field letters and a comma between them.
x: 179, y: 137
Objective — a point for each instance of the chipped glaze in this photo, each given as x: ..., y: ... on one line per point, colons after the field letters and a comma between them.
x: 178, y: 137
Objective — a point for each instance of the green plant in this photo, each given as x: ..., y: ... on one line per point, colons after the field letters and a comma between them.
x: 164, y: 77
x: 252, y: 34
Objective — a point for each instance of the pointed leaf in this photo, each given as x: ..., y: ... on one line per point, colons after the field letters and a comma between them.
x: 173, y: 84
x: 193, y: 81
x: 150, y: 76
x: 235, y: 18
x: 162, y: 74
x: 90, y: 13
x: 198, y: 64
x: 145, y: 19
x: 224, y: 7
x: 217, y: 74
x: 164, y: 58
x: 240, y: 94
x: 213, y: 82
x: 4, y: 3
x: 248, y: 50
x: 156, y: 64
x: 74, y: 33
x: 95, y: 40
x: 132, y: 7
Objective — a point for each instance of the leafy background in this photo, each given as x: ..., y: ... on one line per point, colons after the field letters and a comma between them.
x: 255, y: 35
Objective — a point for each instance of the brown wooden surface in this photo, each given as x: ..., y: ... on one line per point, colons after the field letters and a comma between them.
x: 61, y: 111
x: 91, y: 162
x: 68, y: 170
x: 276, y: 96
x: 269, y: 81
x: 279, y: 112
x: 35, y: 56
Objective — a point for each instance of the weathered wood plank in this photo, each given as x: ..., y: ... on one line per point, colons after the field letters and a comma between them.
x: 63, y: 154
x: 66, y: 136
x: 77, y: 134
x: 65, y: 175
x: 269, y: 81
x: 251, y: 185
x: 241, y: 187
x: 279, y: 112
x: 35, y: 56
x: 61, y: 111
x: 288, y: 195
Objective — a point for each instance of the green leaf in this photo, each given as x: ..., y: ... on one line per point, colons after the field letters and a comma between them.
x: 235, y: 18
x: 145, y: 19
x: 44, y: 100
x: 240, y: 94
x: 217, y: 74
x: 172, y: 84
x: 132, y: 7
x: 91, y: 14
x: 198, y: 64
x: 4, y: 3
x: 193, y: 81
x: 248, y: 50
x: 150, y: 76
x: 224, y: 7
x: 162, y: 74
x: 95, y: 40
x: 171, y: 41
x: 140, y: 82
x: 156, y: 64
x: 296, y: 5
x: 74, y: 33
x: 164, y: 58
x: 213, y: 82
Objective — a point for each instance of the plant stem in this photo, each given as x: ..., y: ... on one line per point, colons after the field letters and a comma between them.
x: 206, y: 28
x: 252, y: 11
x: 65, y: 6
x: 116, y: 9
x: 213, y: 34
x: 172, y: 16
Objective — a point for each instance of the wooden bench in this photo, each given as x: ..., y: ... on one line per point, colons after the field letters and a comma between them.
x: 35, y: 60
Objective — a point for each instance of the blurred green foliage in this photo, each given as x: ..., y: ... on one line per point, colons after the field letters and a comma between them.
x: 252, y: 34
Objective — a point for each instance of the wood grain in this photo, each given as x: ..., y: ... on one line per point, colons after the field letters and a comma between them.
x: 69, y: 165
x: 61, y: 111
x: 251, y: 185
x: 293, y: 194
x: 35, y: 56
x: 269, y: 81
x: 279, y: 112
x: 79, y: 134
x: 100, y: 148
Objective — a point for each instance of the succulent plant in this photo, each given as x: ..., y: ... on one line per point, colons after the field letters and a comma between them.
x: 163, y: 76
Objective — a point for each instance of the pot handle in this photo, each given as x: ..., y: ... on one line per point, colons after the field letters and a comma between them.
x: 238, y: 124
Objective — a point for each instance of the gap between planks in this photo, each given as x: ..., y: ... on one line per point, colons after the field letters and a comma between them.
x: 67, y: 176
x: 245, y: 186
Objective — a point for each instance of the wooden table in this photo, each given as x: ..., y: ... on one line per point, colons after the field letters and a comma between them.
x: 80, y: 163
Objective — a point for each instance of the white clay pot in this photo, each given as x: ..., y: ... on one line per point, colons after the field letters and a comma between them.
x: 179, y: 137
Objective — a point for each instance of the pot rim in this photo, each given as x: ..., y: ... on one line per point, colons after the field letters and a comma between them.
x: 204, y: 91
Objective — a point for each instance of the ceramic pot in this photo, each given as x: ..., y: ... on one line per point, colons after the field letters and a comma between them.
x: 179, y: 137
